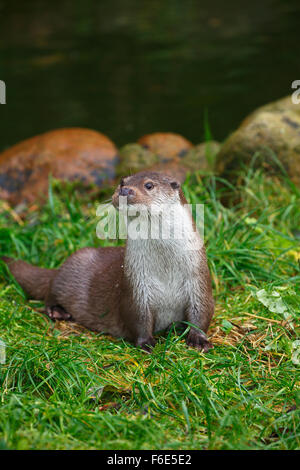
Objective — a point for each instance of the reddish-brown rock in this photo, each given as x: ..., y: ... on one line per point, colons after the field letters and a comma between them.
x: 72, y: 154
x: 166, y: 144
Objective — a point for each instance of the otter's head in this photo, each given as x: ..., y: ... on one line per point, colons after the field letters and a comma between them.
x: 148, y: 188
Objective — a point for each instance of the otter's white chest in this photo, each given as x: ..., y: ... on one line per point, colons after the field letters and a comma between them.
x: 161, y: 281
x: 167, y: 300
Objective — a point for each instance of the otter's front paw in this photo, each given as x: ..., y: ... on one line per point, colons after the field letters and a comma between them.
x: 147, y: 344
x: 58, y: 313
x: 198, y: 340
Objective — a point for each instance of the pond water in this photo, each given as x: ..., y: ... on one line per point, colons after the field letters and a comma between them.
x: 130, y: 67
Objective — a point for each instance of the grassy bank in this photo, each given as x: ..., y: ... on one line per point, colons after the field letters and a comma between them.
x: 65, y: 387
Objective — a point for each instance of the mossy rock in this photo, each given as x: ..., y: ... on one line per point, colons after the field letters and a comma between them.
x: 270, y: 133
x: 134, y: 158
x: 202, y: 156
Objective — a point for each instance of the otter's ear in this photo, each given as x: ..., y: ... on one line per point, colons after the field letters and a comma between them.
x: 175, y: 185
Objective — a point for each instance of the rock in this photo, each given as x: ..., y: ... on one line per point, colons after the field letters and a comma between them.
x: 271, y: 130
x: 202, y: 156
x: 72, y: 154
x: 166, y: 144
x: 174, y: 160
x: 134, y: 158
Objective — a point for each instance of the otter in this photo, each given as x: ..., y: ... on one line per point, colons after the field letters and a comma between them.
x: 133, y: 291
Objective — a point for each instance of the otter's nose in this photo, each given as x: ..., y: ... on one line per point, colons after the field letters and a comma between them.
x: 126, y: 191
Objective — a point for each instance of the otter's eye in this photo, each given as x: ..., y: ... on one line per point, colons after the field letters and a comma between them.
x: 149, y: 186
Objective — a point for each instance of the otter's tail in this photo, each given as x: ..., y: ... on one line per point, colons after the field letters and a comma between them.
x: 35, y: 281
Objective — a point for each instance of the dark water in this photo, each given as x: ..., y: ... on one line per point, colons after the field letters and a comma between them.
x: 129, y: 67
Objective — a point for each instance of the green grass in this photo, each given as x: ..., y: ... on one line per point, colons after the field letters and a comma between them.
x: 63, y: 387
